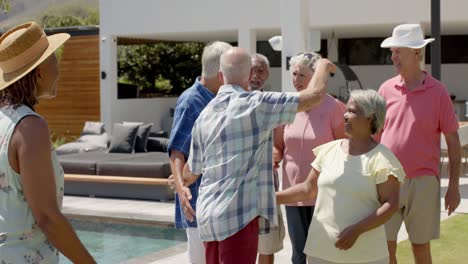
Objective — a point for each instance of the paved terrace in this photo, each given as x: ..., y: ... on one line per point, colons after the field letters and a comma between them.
x: 163, y: 214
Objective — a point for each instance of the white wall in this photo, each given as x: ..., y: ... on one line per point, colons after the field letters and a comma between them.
x: 455, y: 77
x: 274, y: 80
x: 149, y: 17
x: 366, y: 12
x: 227, y: 20
x: 151, y: 110
x: 140, y: 17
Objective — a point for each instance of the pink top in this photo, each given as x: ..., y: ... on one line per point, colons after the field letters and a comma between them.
x: 414, y: 122
x: 321, y: 124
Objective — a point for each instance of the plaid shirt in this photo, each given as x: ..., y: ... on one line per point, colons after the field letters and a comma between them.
x: 188, y: 107
x: 232, y: 148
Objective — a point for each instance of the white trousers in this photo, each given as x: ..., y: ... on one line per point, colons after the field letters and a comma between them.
x: 195, y: 247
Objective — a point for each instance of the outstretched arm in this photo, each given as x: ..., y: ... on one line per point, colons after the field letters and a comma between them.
x: 304, y: 191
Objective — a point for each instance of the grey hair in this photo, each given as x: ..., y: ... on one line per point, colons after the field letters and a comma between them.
x: 303, y: 59
x: 261, y: 58
x: 372, y: 104
x: 422, y: 55
x: 236, y: 71
x: 211, y: 56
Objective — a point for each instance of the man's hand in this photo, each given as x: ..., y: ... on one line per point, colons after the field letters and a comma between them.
x: 171, y: 182
x: 347, y: 238
x: 187, y: 182
x: 330, y: 67
x: 452, y: 199
x: 184, y: 197
x: 317, y: 87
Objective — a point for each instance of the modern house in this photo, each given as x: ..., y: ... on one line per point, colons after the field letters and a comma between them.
x: 351, y: 32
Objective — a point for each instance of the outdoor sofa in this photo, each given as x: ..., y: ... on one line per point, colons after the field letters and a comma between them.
x: 133, y: 165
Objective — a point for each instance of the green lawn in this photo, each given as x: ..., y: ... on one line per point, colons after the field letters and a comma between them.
x: 451, y: 248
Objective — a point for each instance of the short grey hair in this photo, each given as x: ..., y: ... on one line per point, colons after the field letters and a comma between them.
x: 211, y: 56
x: 372, y: 104
x: 422, y: 54
x: 261, y: 58
x: 237, y: 70
x: 307, y: 59
x: 422, y: 57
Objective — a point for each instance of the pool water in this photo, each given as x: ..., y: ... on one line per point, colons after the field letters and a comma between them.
x: 115, y: 242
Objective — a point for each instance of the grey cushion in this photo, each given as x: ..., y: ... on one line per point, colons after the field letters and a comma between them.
x: 158, y: 144
x: 142, y: 134
x: 126, y: 123
x: 142, y: 137
x: 123, y: 139
x: 85, y: 163
x: 98, y: 140
x: 160, y: 133
x: 78, y: 147
x: 93, y: 128
x: 151, y: 165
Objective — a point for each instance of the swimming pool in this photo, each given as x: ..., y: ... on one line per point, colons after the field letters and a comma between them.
x: 116, y: 242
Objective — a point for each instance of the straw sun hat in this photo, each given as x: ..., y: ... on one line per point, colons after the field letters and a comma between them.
x: 23, y: 48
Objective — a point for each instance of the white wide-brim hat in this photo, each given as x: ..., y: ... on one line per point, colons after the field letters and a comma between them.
x: 406, y: 36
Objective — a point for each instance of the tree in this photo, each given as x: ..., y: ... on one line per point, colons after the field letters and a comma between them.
x: 51, y: 21
x: 92, y: 18
x: 146, y: 65
x: 5, y: 5
x: 71, y: 15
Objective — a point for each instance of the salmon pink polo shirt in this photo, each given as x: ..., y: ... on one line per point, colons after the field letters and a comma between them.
x: 319, y: 125
x: 414, y: 121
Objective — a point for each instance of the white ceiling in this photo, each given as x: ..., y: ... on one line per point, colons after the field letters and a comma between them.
x: 348, y: 31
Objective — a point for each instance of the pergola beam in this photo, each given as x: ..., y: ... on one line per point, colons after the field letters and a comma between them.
x: 436, y: 45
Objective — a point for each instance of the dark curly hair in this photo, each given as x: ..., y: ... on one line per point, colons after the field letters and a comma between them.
x: 21, y: 92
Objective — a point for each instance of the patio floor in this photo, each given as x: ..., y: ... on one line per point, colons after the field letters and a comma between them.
x: 158, y: 213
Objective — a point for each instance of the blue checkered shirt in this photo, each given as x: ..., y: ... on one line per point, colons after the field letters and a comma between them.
x: 188, y: 107
x: 232, y: 148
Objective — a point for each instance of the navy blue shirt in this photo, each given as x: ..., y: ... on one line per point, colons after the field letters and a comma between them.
x: 188, y: 108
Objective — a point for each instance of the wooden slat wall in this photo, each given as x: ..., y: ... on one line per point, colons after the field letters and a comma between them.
x: 78, y: 96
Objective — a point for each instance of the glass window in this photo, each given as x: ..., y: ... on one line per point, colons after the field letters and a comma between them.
x: 363, y: 51
x: 264, y: 48
x: 455, y: 49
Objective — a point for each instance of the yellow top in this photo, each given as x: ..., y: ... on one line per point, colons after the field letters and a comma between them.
x: 347, y: 193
